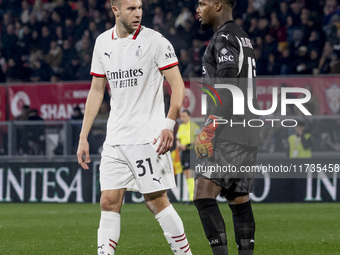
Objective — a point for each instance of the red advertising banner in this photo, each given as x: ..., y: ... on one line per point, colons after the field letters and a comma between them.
x: 53, y: 101
x: 56, y: 101
x: 3, y: 103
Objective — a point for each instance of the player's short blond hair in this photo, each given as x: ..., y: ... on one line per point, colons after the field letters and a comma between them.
x: 115, y: 2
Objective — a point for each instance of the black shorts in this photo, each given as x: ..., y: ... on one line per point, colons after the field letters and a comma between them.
x: 185, y: 158
x: 225, y: 165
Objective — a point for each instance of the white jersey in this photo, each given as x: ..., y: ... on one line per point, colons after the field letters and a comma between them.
x: 132, y: 66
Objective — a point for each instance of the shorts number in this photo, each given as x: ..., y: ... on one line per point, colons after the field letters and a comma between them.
x: 140, y: 165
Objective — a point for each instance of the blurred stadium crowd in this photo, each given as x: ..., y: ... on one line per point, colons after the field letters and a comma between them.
x: 52, y: 40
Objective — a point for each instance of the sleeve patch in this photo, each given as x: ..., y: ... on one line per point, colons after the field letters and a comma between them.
x: 225, y: 55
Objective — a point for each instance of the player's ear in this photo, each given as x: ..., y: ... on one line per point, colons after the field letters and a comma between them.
x: 115, y: 11
x: 218, y: 6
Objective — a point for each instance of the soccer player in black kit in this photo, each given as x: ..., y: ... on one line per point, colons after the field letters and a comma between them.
x: 229, y: 59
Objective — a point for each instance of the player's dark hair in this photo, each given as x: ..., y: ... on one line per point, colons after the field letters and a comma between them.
x: 230, y: 2
x: 186, y: 112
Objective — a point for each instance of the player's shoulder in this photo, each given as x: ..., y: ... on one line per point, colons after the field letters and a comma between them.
x: 151, y: 34
x: 224, y: 38
x: 146, y: 31
x: 234, y: 29
x: 230, y: 32
x: 106, y: 35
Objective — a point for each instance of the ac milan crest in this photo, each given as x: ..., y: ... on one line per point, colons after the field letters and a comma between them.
x: 333, y: 98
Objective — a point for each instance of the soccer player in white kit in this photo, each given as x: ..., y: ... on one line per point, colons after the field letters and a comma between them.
x: 133, y: 60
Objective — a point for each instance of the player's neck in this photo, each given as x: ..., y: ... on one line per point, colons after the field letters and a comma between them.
x: 221, y: 20
x: 121, y: 31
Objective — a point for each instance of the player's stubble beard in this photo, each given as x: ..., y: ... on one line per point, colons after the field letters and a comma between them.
x: 129, y: 28
x: 126, y: 26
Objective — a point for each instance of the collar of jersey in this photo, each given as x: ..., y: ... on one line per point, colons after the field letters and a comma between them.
x: 227, y: 22
x: 132, y: 36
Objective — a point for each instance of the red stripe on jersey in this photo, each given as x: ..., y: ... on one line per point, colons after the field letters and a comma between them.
x: 112, y: 246
x: 136, y: 34
x: 113, y: 241
x: 187, y: 250
x: 98, y: 75
x: 178, y: 236
x: 168, y: 66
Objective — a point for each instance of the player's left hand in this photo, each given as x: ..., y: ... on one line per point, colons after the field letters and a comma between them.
x: 166, y: 140
x: 83, y: 154
x: 204, y: 146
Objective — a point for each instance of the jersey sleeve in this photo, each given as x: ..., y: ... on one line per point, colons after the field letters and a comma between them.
x: 227, y: 54
x: 165, y: 55
x: 96, y: 65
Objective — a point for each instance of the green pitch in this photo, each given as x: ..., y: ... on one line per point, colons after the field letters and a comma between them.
x: 72, y: 228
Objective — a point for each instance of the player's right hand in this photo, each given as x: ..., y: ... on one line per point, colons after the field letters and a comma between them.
x: 204, y: 146
x: 83, y: 154
x: 166, y: 140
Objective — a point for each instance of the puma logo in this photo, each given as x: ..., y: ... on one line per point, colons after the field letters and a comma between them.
x: 101, y: 246
x: 159, y: 180
x: 226, y: 36
x: 107, y: 54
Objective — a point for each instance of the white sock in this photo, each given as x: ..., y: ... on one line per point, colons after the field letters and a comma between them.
x: 108, y: 233
x: 173, y: 229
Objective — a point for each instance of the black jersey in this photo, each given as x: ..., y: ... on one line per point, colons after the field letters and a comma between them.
x: 230, y: 59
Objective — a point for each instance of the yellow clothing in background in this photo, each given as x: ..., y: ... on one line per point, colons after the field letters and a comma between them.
x: 296, y: 148
x: 186, y: 133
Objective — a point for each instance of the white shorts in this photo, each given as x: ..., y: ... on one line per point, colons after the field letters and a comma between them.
x: 137, y: 167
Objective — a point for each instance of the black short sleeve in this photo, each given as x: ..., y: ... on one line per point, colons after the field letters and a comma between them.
x: 227, y: 51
